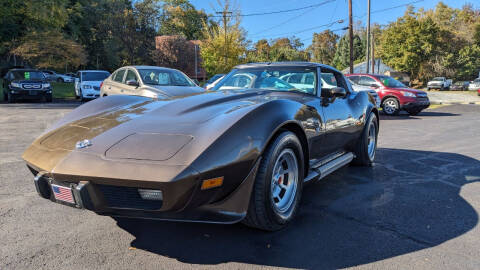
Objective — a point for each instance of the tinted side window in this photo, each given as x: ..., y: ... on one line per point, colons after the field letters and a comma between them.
x: 119, y: 76
x: 354, y: 79
x: 131, y: 76
x: 367, y: 81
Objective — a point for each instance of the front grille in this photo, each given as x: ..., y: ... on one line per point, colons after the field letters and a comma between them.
x: 29, y: 86
x: 96, y: 88
x: 127, y: 197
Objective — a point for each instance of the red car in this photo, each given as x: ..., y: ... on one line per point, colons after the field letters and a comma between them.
x: 395, y: 96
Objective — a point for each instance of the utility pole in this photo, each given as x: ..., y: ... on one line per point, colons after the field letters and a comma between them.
x: 373, y: 53
x: 225, y: 13
x: 350, y: 29
x: 368, y: 36
x: 196, y: 73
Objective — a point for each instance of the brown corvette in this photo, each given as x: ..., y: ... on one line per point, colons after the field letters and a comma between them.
x: 241, y: 152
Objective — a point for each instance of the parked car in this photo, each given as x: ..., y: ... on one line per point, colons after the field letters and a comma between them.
x: 223, y: 156
x: 358, y: 87
x: 395, y: 95
x: 26, y: 84
x: 212, y: 80
x: 88, y: 83
x: 474, y: 85
x: 441, y: 83
x: 148, y: 81
x: 71, y: 74
x: 460, y: 85
x: 56, y: 77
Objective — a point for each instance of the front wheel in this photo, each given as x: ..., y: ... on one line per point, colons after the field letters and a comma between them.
x: 367, y: 143
x: 278, y: 185
x: 391, y: 106
x: 10, y: 98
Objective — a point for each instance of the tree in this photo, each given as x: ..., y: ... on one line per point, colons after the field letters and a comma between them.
x: 222, y: 43
x: 468, y: 62
x: 50, y: 50
x: 287, y: 49
x: 174, y: 52
x: 323, y: 47
x: 179, y: 17
x: 409, y: 42
x: 341, y: 60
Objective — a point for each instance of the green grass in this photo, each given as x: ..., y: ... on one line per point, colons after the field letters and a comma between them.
x: 60, y: 90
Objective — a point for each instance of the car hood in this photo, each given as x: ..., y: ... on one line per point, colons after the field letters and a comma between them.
x: 189, y: 124
x: 92, y: 83
x: 172, y: 91
x: 415, y: 91
x: 28, y: 81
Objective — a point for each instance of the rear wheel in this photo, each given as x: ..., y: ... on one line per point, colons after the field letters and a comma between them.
x: 278, y: 185
x: 367, y: 143
x: 391, y: 106
x: 60, y: 80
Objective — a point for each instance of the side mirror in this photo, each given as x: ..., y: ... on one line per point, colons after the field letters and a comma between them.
x: 337, y: 92
x: 374, y: 85
x: 132, y: 83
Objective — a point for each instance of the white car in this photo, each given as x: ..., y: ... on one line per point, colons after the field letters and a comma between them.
x: 441, y: 83
x: 88, y: 83
x: 57, y: 77
x: 475, y: 85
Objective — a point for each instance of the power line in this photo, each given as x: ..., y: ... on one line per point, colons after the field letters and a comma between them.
x: 289, y: 20
x: 279, y: 11
x: 341, y: 20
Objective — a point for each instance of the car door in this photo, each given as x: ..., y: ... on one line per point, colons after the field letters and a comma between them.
x: 340, y: 126
x: 131, y: 75
x: 116, y: 84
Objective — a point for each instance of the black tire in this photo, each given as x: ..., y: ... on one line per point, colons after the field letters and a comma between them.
x: 391, y: 106
x: 60, y: 80
x: 414, y: 111
x: 49, y: 99
x: 5, y: 96
x: 82, y: 99
x: 262, y: 213
x: 362, y: 155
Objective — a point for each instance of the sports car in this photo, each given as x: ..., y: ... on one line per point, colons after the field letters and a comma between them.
x: 242, y: 151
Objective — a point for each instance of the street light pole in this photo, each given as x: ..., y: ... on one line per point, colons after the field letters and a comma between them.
x: 368, y: 36
x: 350, y: 27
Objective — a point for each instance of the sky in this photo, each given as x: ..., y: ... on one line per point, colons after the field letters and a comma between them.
x: 299, y: 23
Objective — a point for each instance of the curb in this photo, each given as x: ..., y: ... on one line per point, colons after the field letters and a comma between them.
x: 454, y: 103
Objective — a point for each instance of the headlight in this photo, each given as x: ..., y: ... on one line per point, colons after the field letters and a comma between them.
x: 45, y: 85
x: 408, y: 94
x: 13, y: 84
x: 86, y: 86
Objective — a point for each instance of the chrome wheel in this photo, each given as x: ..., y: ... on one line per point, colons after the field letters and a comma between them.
x: 284, y: 182
x: 371, y: 140
x: 390, y: 106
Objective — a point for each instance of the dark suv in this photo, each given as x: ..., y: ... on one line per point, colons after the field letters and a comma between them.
x: 26, y: 84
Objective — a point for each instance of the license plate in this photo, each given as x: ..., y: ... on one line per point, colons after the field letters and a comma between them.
x: 32, y: 92
x: 63, y: 194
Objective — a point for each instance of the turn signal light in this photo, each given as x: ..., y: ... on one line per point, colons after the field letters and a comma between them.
x: 212, y: 183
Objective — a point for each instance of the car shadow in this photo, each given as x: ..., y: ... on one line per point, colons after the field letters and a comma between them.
x: 403, y: 116
x: 408, y: 201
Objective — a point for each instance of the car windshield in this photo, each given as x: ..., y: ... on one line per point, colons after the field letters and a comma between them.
x: 476, y: 80
x: 301, y: 79
x: 165, y: 77
x: 437, y: 79
x: 94, y: 76
x: 28, y: 75
x: 390, y: 82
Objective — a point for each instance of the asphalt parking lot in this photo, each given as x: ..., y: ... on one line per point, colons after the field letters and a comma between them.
x: 417, y: 208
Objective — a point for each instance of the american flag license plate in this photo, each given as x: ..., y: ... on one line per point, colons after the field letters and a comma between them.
x: 63, y: 194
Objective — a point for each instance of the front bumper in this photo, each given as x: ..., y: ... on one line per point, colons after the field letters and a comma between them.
x: 435, y: 86
x: 19, y: 93
x: 123, y: 201
x: 417, y: 104
x: 90, y: 93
